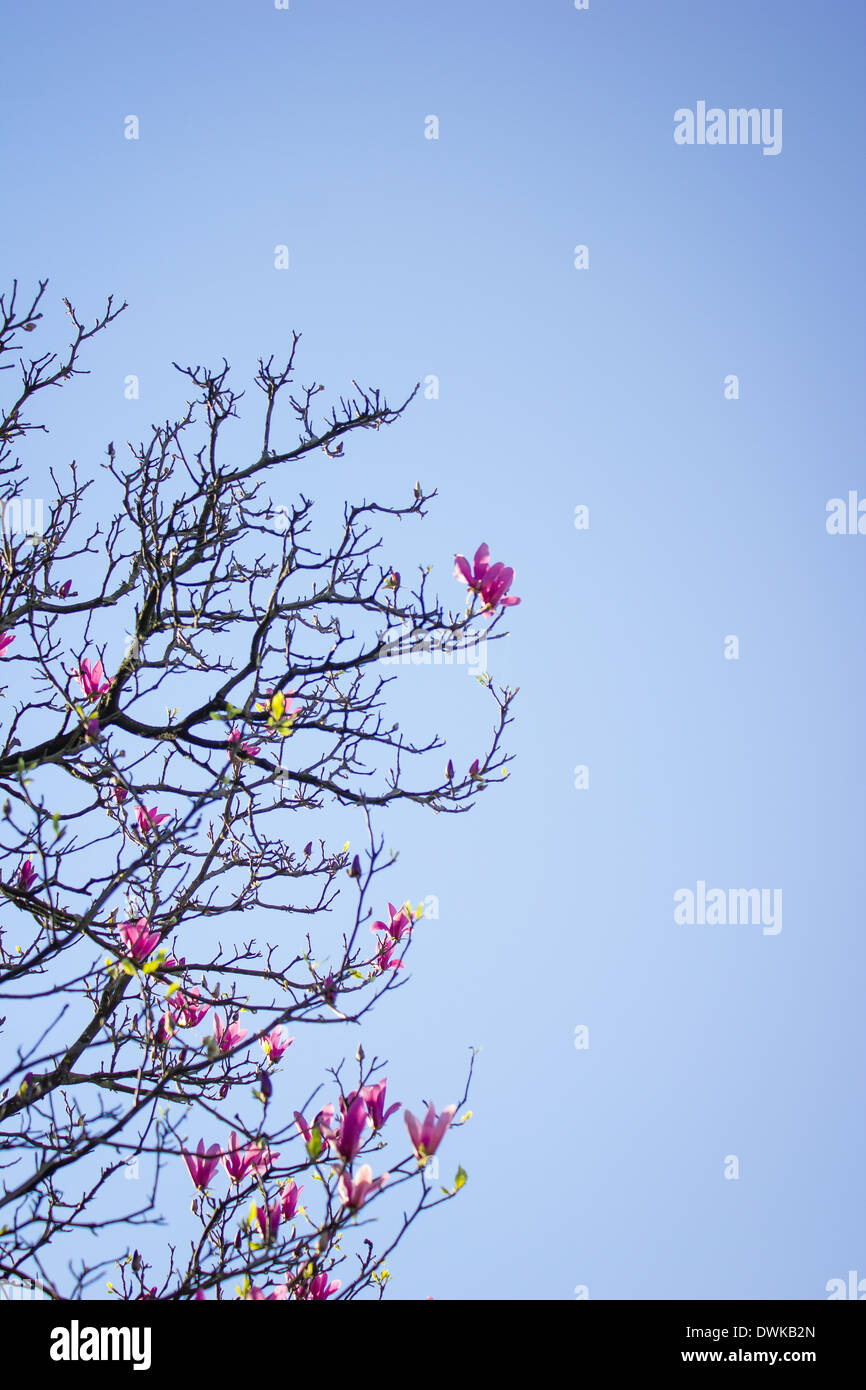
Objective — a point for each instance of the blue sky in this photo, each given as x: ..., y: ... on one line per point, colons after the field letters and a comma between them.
x: 412, y: 257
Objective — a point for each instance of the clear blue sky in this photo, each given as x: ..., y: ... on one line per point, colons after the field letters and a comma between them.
x: 605, y: 387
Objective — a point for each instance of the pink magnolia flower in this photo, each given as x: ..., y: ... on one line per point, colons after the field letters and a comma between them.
x: 427, y: 1137
x: 355, y: 1191
x: 268, y: 1220
x: 494, y: 590
x: 202, y: 1164
x: 348, y: 1137
x: 274, y: 1044
x: 229, y: 1035
x: 289, y: 1198
x: 63, y: 591
x: 120, y: 793
x: 138, y: 939
x: 314, y: 1290
x: 322, y: 1123
x: 187, y: 1008
x: 239, y: 1161
x: 26, y: 875
x: 236, y: 745
x: 263, y: 1157
x: 92, y: 728
x: 375, y: 1099
x: 6, y: 639
x: 165, y: 1028
x: 491, y: 582
x: 473, y: 578
x: 256, y: 1295
x: 386, y: 958
x: 149, y: 817
x: 92, y: 679
x: 399, y: 925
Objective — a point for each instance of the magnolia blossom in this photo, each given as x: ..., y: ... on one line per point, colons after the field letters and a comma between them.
x: 92, y: 679
x: 63, y: 591
x: 138, y: 938
x: 313, y: 1290
x: 238, y: 1161
x: 289, y: 1198
x: 274, y: 1044
x: 386, y: 958
x: 120, y: 793
x: 148, y: 817
x: 187, y: 1008
x: 399, y: 924
x: 237, y: 745
x: 255, y: 1294
x: 355, y: 1191
x: 202, y: 1164
x: 6, y: 639
x: 374, y: 1097
x: 490, y: 582
x: 165, y: 1028
x: 322, y: 1123
x: 26, y: 875
x: 427, y: 1137
x: 494, y: 591
x: 268, y: 1219
x: 349, y: 1136
x: 228, y: 1036
x: 263, y: 1157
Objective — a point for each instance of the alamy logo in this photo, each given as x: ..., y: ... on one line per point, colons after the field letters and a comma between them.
x: 846, y: 518
x: 737, y: 906
x: 854, y: 1287
x: 22, y: 516
x: 16, y: 1287
x: 410, y: 647
x: 75, y: 1343
x: 735, y: 126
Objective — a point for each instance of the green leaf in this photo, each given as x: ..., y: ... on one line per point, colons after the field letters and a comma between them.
x: 460, y: 1180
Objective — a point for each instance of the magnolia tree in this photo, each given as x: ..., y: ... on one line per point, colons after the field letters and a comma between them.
x: 165, y: 937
